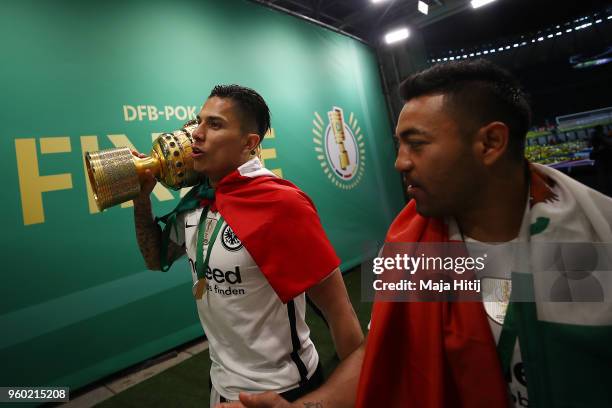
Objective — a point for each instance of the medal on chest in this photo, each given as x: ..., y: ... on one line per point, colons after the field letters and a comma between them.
x: 207, y: 234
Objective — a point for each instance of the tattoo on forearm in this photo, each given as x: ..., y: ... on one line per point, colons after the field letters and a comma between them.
x: 318, y: 404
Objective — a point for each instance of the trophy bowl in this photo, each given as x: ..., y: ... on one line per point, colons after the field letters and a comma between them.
x: 116, y: 174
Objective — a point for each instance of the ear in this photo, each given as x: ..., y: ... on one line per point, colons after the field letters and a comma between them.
x: 492, y: 142
x: 252, y: 141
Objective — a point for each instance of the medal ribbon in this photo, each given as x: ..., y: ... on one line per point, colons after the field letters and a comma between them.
x: 202, y: 264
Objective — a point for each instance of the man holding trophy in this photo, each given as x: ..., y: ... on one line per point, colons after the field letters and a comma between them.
x: 255, y: 246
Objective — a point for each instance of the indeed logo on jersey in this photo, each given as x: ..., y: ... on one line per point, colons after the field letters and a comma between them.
x: 215, y: 275
x: 231, y: 277
x: 219, y: 276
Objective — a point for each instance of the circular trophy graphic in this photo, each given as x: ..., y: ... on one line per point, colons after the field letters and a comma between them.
x: 344, y: 167
x: 340, y: 148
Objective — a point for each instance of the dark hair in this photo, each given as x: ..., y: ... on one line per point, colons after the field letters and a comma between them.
x: 480, y: 92
x: 250, y: 103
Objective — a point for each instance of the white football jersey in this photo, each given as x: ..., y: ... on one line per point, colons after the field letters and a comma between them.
x: 256, y: 342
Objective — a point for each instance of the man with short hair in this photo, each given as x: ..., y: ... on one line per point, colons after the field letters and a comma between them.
x: 461, y: 136
x: 255, y: 246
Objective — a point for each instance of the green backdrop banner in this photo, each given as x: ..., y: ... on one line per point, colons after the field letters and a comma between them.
x: 76, y: 301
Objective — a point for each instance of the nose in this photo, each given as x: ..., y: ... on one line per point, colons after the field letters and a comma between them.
x: 199, y: 134
x: 403, y: 162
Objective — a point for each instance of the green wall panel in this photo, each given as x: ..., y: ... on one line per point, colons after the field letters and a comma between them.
x: 76, y: 302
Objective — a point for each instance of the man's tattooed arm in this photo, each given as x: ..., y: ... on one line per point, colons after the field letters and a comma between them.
x: 313, y: 404
x: 148, y: 235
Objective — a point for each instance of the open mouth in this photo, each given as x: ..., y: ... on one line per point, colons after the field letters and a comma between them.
x: 412, y: 183
x: 195, y: 152
x: 413, y: 187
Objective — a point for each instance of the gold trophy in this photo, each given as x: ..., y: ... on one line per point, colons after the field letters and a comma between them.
x: 115, y: 174
x: 337, y: 123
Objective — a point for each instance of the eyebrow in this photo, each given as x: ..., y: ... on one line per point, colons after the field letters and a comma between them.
x: 412, y: 131
x: 211, y: 118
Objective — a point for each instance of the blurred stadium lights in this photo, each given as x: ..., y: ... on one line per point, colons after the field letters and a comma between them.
x: 423, y: 7
x: 578, y: 24
x: 397, y: 35
x: 480, y: 3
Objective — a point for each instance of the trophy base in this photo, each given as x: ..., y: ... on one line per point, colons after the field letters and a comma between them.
x: 113, y: 176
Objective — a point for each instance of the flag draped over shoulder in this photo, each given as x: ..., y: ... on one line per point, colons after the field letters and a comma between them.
x: 440, y: 354
x: 277, y: 223
x: 429, y: 354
